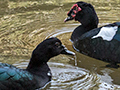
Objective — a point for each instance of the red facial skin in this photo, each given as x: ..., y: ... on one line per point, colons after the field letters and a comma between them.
x: 75, y: 9
x: 72, y: 13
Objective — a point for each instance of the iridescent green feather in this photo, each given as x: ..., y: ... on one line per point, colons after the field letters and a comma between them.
x: 9, y: 72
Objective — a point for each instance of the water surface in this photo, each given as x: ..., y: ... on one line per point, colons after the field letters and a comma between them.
x: 25, y: 23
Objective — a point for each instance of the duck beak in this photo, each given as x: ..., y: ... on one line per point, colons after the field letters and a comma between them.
x: 68, y: 18
x: 67, y: 52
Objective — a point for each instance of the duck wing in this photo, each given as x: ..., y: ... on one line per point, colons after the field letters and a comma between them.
x: 12, y: 78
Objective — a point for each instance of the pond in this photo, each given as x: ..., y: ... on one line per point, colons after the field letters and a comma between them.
x: 25, y: 23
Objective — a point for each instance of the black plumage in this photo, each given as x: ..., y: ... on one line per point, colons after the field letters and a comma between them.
x: 102, y: 43
x: 38, y: 73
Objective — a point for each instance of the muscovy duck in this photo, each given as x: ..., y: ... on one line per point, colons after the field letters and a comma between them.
x: 37, y: 74
x: 102, y: 43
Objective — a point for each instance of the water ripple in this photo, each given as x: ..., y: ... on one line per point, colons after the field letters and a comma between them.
x: 71, y: 77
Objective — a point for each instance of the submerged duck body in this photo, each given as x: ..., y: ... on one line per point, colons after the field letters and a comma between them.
x: 37, y: 74
x: 102, y: 43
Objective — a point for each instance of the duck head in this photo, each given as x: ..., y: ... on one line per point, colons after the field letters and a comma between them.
x: 84, y: 13
x: 47, y: 49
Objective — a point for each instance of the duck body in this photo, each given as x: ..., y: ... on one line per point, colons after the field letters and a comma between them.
x: 80, y: 30
x: 37, y: 74
x: 102, y: 43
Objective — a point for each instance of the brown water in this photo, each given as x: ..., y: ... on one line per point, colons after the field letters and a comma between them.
x: 25, y: 23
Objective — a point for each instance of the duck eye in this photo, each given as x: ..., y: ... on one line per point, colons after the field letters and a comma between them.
x: 75, y: 8
x: 57, y: 43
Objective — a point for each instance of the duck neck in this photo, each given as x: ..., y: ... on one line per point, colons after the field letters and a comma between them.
x: 37, y: 65
x: 80, y: 30
x: 90, y: 22
x: 40, y: 71
x: 90, y: 26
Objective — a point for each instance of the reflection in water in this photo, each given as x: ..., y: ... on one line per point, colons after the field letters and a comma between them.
x: 24, y: 24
